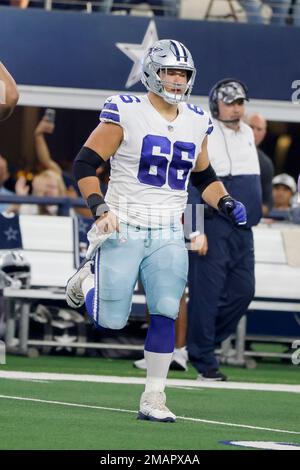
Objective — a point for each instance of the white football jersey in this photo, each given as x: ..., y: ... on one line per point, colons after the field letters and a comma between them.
x: 151, y: 168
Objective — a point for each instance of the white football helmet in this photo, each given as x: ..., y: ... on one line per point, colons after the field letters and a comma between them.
x: 163, y: 55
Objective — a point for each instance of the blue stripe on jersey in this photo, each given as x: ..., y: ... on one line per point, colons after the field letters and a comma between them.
x: 209, y: 130
x: 107, y: 115
x: 210, y: 127
x: 96, y: 300
x: 196, y: 109
x: 111, y: 106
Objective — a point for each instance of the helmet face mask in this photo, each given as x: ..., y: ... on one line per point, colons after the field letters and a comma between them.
x: 163, y: 56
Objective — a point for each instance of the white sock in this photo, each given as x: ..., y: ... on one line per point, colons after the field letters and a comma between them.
x: 157, y: 370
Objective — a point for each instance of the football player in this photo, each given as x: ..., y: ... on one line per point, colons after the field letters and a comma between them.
x: 156, y: 143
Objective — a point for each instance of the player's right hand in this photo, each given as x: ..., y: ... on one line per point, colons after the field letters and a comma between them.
x: 44, y: 127
x: 108, y: 223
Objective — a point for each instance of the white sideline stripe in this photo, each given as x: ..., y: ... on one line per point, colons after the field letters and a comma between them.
x: 141, y: 381
x: 34, y: 381
x: 184, y: 418
x: 75, y: 405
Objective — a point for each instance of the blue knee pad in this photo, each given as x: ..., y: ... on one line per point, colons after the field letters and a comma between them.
x: 161, y: 335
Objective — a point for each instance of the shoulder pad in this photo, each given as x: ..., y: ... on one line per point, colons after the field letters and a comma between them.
x: 110, y: 111
x: 113, y: 105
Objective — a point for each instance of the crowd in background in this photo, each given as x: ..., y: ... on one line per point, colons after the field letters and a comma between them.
x: 46, y: 178
x: 282, y: 11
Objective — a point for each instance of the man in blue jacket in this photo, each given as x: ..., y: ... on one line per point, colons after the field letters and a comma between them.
x: 221, y: 281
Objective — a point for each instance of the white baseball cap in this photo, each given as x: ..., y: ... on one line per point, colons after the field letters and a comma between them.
x: 286, y: 180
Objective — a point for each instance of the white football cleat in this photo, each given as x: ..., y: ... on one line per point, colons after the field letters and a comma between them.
x: 179, y: 359
x: 74, y: 294
x: 153, y: 408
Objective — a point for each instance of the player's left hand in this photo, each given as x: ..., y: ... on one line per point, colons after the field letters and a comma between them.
x: 199, y: 244
x: 233, y: 209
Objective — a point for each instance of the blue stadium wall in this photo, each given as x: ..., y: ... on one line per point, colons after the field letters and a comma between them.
x: 76, y: 50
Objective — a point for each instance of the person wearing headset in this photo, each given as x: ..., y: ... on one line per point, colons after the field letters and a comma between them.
x: 221, y: 279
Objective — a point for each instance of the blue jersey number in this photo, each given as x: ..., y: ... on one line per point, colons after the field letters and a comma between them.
x: 130, y: 99
x: 155, y: 169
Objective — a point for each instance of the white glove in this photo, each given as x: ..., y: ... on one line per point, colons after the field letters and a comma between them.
x: 97, y: 234
x: 108, y: 223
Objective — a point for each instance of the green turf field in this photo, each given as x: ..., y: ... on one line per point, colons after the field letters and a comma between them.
x: 42, y: 424
x: 34, y: 425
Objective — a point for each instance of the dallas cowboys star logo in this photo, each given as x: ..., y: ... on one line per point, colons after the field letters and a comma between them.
x: 11, y: 234
x: 64, y: 339
x: 137, y: 51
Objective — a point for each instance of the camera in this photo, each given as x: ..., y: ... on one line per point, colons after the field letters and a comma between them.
x: 50, y: 115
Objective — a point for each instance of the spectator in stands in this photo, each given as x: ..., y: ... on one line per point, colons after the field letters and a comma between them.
x: 286, y: 204
x: 9, y: 94
x: 48, y: 183
x: 4, y: 176
x: 296, y: 12
x: 253, y: 10
x: 280, y: 11
x: 16, y: 3
x: 221, y: 282
x: 103, y: 7
x: 45, y: 126
x: 259, y: 126
x: 284, y: 189
x: 168, y: 8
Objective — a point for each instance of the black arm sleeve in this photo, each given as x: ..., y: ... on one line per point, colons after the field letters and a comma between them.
x: 86, y: 163
x: 202, y: 179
